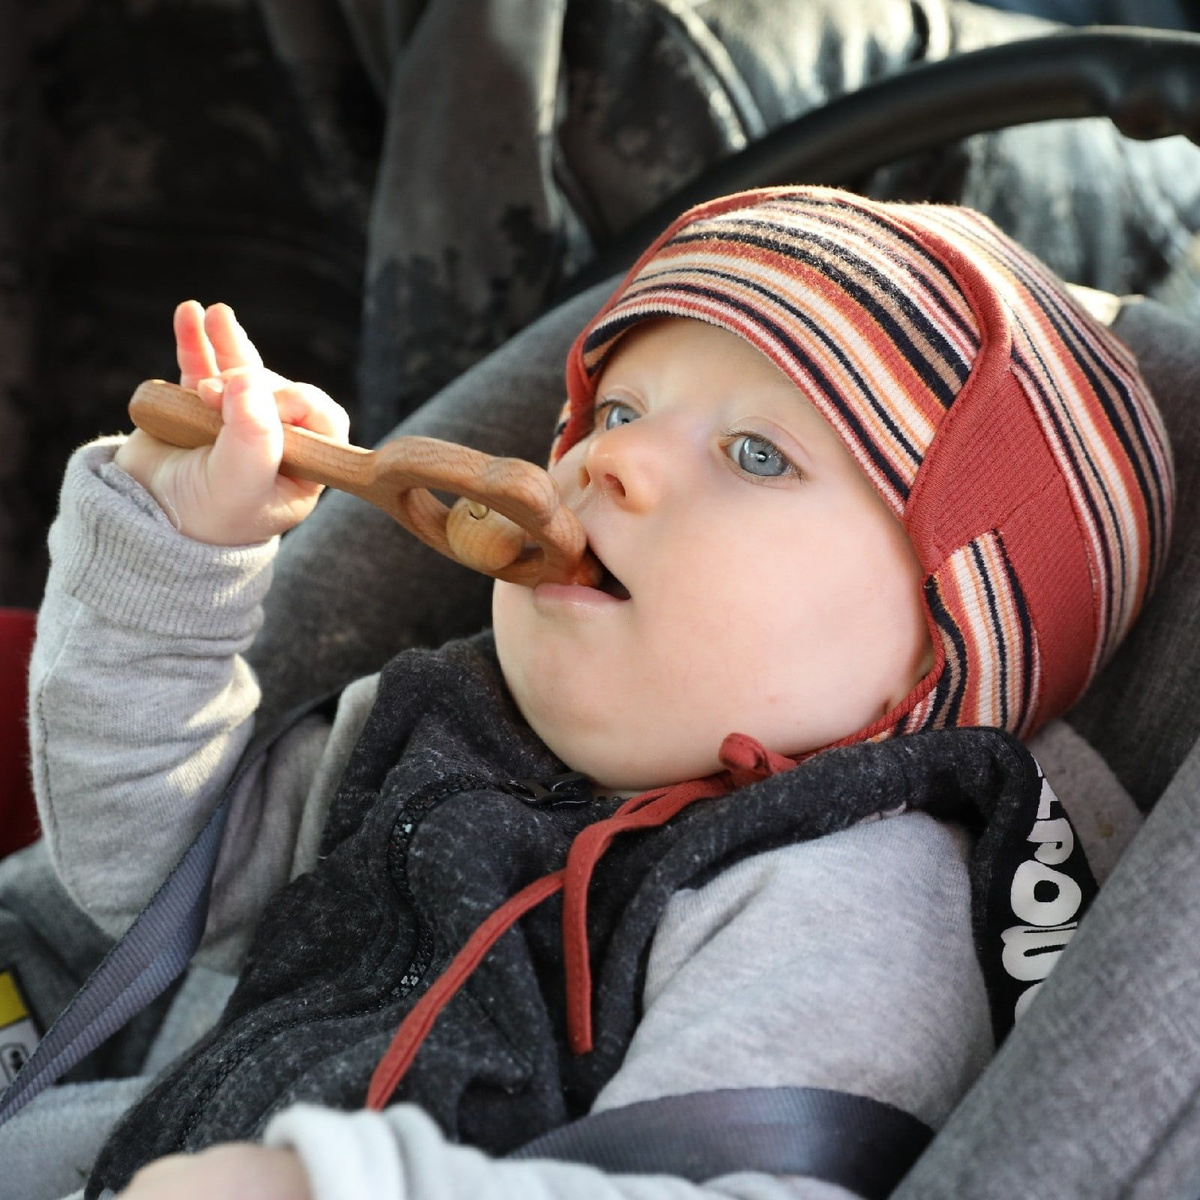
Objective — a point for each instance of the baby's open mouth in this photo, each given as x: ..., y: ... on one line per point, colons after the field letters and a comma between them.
x: 613, y: 586
x: 610, y: 584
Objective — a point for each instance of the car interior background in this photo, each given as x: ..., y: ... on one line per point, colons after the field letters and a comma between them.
x: 412, y: 268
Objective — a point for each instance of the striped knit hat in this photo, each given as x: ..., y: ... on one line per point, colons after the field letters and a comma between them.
x: 1009, y: 432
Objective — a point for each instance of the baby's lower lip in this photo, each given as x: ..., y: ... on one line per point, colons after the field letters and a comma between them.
x: 560, y: 596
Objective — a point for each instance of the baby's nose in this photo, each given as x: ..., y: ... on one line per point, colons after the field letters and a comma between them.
x: 624, y: 465
x: 605, y: 480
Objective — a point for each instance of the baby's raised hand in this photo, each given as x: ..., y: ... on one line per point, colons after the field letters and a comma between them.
x: 230, y: 493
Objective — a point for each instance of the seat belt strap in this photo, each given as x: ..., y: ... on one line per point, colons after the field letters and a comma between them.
x: 860, y: 1144
x: 141, y: 965
x: 151, y: 953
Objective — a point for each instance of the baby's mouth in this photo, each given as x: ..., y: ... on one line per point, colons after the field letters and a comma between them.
x: 612, y: 586
x: 608, y: 582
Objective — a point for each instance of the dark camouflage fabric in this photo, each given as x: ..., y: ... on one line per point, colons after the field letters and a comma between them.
x: 386, y: 190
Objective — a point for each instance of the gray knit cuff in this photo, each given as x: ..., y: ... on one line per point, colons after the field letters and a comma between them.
x: 114, y: 549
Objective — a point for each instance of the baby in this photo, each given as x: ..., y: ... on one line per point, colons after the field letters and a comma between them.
x: 859, y: 470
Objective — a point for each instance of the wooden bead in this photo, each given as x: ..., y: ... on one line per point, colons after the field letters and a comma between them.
x: 485, y: 543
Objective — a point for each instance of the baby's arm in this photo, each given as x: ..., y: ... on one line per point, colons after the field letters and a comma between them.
x: 140, y: 701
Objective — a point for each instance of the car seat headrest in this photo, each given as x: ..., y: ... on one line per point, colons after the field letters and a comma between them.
x: 1140, y: 712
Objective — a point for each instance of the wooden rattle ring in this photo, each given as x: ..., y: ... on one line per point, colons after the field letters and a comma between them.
x: 523, y: 502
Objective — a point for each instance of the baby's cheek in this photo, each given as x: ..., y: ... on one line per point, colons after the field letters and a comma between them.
x: 505, y: 615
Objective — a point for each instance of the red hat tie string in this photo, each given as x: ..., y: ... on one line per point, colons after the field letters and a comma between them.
x: 585, y: 852
x: 413, y: 1029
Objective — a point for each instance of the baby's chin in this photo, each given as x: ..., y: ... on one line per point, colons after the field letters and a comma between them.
x: 596, y: 744
x: 616, y: 762
x: 604, y: 758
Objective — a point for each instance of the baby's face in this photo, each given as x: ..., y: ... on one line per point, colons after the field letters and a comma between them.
x: 771, y: 591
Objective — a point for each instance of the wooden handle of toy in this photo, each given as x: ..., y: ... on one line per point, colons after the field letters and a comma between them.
x: 179, y: 417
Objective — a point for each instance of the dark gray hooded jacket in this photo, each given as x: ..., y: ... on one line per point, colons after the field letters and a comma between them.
x: 437, y: 822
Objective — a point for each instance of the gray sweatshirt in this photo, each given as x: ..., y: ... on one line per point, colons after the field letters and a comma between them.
x: 141, y: 703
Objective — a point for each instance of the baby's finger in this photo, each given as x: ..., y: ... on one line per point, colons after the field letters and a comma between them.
x: 212, y: 388
x: 230, y: 341
x: 245, y: 457
x: 193, y: 350
x: 306, y: 405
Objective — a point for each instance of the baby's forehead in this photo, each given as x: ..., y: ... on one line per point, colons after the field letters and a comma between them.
x: 700, y: 353
x: 662, y: 344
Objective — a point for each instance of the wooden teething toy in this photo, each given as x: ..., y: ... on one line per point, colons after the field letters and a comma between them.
x: 506, y: 502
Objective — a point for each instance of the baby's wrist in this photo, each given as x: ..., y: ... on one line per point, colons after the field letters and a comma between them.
x: 115, y: 550
x: 132, y: 458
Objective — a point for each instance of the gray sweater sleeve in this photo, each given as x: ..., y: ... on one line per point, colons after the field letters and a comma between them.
x: 140, y: 704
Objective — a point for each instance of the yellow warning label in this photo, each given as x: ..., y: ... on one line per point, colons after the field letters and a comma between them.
x: 12, y: 1007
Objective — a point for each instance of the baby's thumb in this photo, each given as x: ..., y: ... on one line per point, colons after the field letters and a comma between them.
x: 246, y: 454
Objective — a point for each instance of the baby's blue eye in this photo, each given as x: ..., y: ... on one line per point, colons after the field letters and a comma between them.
x: 608, y: 414
x: 753, y: 454
x: 757, y: 456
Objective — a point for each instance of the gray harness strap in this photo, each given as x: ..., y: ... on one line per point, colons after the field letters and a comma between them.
x: 860, y: 1144
x: 152, y: 952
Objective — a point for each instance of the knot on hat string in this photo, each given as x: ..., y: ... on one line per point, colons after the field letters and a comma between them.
x: 745, y: 761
